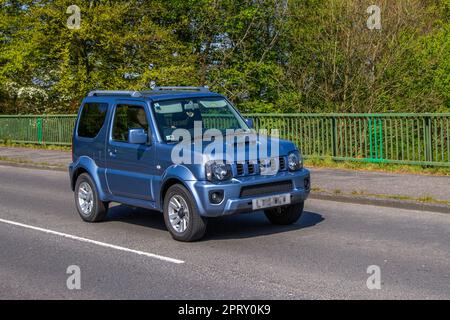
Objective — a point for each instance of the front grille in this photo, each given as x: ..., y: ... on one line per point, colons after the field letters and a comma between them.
x: 266, y: 188
x: 240, y: 169
x: 254, y: 167
x: 245, y: 168
x: 282, y: 164
x: 250, y: 168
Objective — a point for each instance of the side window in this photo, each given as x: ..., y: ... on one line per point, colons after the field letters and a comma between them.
x: 92, y: 119
x: 128, y: 117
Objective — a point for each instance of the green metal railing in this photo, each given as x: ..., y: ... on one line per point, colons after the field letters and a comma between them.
x: 51, y: 130
x: 421, y: 139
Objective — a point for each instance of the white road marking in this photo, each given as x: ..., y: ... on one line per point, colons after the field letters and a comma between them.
x: 99, y: 243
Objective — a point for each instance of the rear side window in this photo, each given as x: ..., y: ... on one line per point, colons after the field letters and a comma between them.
x: 128, y: 117
x: 92, y: 119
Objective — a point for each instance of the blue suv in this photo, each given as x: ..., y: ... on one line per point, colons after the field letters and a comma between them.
x: 124, y: 149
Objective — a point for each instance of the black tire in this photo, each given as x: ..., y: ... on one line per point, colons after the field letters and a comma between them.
x: 99, y: 208
x: 196, y: 225
x: 285, y: 215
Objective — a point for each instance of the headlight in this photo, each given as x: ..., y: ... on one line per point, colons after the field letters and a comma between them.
x: 295, y: 161
x: 218, y: 171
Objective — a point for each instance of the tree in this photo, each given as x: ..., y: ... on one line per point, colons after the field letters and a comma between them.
x: 119, y: 46
x: 338, y: 64
x: 266, y: 55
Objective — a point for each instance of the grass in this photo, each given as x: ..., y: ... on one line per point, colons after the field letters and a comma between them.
x: 337, y: 191
x: 34, y: 146
x: 315, y: 162
x: 424, y: 199
x: 26, y: 162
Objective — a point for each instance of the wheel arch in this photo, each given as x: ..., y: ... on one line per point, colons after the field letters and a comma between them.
x: 165, y: 187
x: 88, y: 166
x: 78, y: 172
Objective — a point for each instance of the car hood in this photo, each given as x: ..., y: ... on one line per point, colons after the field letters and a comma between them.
x: 242, y: 149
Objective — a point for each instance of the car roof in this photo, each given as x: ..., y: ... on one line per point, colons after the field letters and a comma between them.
x: 157, y: 94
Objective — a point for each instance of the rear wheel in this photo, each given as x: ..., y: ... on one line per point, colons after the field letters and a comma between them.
x: 89, y: 206
x: 285, y: 215
x: 181, y: 215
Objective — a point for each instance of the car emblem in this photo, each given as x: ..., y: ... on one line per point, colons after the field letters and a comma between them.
x: 269, y: 166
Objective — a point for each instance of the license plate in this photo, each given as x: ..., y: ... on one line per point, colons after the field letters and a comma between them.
x: 272, y: 201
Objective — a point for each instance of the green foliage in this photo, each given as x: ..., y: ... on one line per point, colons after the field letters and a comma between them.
x: 267, y: 55
x: 113, y: 49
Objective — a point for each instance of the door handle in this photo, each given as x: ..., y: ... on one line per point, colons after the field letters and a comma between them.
x: 112, y: 153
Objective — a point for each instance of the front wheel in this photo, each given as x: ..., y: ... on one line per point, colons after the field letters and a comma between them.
x: 181, y: 215
x: 285, y: 215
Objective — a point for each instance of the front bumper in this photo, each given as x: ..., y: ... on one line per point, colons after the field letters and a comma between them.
x: 233, y: 202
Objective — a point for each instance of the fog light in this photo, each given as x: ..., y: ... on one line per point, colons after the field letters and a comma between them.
x: 216, y: 196
x: 307, y: 184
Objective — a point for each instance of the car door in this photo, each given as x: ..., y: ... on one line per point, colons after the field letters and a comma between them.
x: 130, y: 167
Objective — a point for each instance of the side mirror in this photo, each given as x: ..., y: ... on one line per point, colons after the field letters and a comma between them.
x: 249, y: 123
x: 137, y: 136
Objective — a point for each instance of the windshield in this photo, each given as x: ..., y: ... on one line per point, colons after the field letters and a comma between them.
x: 214, y: 113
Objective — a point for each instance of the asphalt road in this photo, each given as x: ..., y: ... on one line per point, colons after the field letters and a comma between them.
x: 131, y: 255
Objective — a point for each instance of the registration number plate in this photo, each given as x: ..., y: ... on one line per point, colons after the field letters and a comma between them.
x: 272, y: 201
